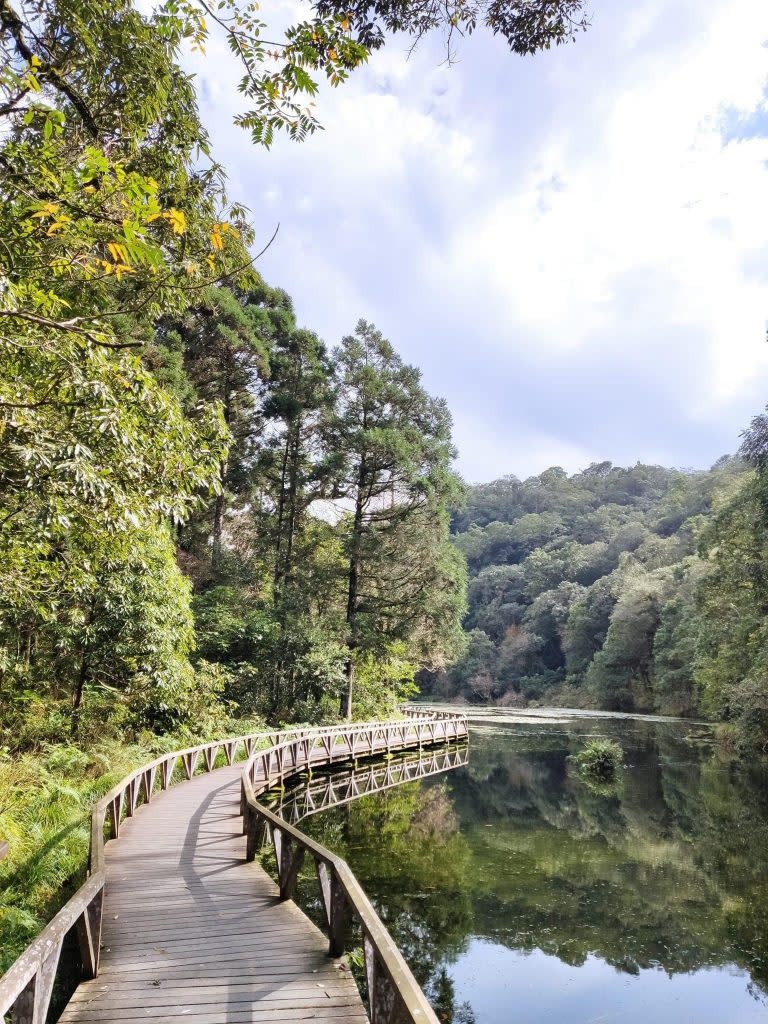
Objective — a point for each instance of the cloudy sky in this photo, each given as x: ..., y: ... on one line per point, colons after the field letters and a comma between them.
x: 573, y: 247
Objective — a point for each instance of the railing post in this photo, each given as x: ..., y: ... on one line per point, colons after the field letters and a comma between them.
x: 132, y: 790
x: 31, y: 1007
x: 89, y: 935
x: 289, y: 864
x: 255, y: 829
x: 148, y: 782
x: 340, y: 918
x: 383, y: 1003
x: 115, y: 810
x: 168, y: 767
x: 190, y: 763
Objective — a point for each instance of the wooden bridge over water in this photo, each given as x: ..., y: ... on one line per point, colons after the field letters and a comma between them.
x: 175, y: 923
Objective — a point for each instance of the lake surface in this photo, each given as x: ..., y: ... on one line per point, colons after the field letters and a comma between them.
x: 517, y: 892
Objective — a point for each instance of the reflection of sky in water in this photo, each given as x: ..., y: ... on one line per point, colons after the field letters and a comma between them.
x: 504, y: 986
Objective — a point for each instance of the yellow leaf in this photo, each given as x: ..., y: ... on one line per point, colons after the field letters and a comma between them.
x: 48, y: 210
x: 58, y: 225
x: 177, y: 220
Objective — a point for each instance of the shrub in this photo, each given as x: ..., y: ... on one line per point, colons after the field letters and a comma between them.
x: 600, y: 760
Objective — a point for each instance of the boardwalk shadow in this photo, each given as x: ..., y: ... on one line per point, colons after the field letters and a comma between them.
x: 212, y: 864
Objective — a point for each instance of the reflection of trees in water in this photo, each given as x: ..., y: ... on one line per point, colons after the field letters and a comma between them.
x: 405, y: 844
x: 669, y: 871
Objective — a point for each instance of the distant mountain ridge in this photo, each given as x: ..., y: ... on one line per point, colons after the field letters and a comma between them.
x: 583, y: 588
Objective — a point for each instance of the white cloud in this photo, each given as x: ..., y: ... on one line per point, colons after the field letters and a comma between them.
x: 485, y: 446
x: 657, y: 188
x: 525, y: 228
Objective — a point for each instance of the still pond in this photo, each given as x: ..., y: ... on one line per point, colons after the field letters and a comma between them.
x: 518, y: 892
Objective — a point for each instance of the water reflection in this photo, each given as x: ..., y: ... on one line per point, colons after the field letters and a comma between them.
x: 518, y: 892
x: 331, y: 788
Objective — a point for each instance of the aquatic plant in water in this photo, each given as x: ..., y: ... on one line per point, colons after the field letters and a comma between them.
x: 599, y: 760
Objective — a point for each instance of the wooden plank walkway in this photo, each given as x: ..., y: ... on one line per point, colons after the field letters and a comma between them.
x: 193, y: 932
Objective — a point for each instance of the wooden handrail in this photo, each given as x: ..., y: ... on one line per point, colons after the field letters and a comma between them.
x: 27, y: 985
x: 394, y: 995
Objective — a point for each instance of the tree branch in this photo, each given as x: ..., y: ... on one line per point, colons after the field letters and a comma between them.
x: 13, y: 24
x: 68, y: 326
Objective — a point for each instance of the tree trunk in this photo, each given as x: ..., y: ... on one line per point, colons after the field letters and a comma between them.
x: 293, y: 496
x: 278, y: 564
x: 345, y: 707
x: 218, y: 524
x: 77, y: 696
x: 220, y: 503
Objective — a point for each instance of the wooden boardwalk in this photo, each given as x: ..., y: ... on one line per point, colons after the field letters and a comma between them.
x: 174, y: 922
x: 193, y: 932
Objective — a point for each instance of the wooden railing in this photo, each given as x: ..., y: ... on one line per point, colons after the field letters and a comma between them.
x: 394, y: 996
x: 27, y: 986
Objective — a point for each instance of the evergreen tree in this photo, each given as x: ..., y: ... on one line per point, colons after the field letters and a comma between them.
x: 223, y: 341
x: 732, y: 653
x: 394, y: 451
x: 294, y: 475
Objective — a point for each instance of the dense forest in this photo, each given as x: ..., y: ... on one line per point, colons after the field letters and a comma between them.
x: 313, y: 576
x: 204, y: 511
x: 640, y: 589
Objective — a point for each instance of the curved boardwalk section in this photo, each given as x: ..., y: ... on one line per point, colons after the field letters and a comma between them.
x: 176, y: 923
x: 192, y: 932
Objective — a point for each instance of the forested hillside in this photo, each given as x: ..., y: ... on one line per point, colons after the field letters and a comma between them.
x: 639, y: 589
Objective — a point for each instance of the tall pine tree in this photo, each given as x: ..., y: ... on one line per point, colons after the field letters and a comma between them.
x: 392, y: 442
